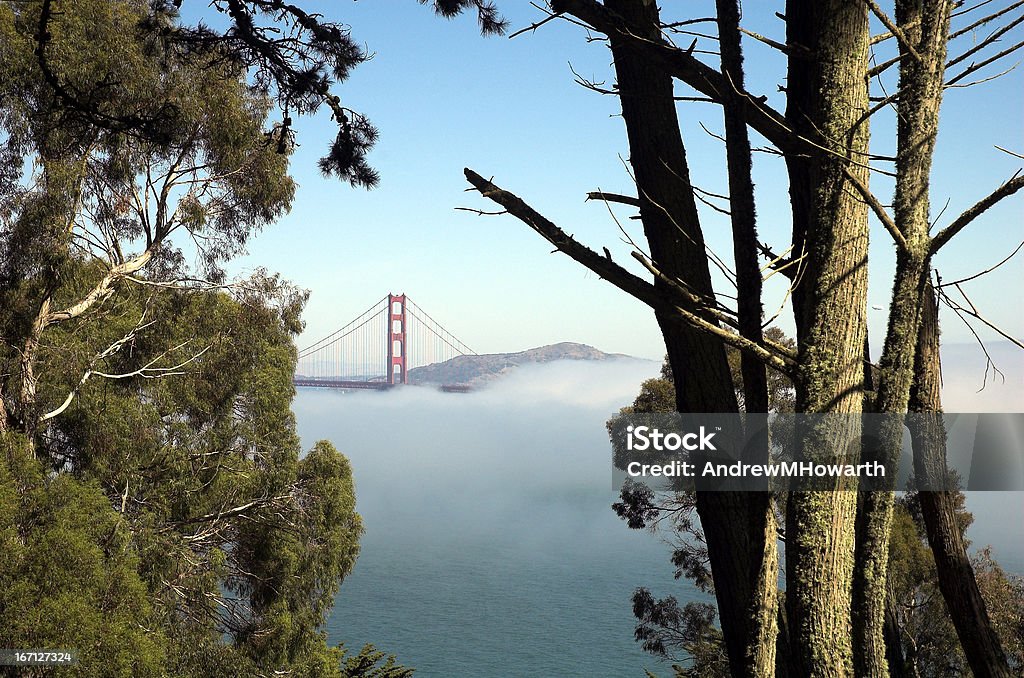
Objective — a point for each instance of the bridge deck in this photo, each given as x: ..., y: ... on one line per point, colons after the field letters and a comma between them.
x: 343, y: 384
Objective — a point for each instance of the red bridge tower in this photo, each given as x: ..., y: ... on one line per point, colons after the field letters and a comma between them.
x: 397, y: 373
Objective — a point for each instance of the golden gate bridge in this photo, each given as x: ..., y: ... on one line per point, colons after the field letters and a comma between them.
x: 379, y: 348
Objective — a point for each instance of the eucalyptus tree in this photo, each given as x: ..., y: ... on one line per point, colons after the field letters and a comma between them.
x: 153, y: 496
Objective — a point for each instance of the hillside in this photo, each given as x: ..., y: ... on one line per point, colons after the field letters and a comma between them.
x: 476, y: 370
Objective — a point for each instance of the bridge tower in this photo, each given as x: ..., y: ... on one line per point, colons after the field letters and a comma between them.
x: 396, y: 374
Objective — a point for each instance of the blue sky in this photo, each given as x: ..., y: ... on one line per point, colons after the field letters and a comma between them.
x: 445, y: 98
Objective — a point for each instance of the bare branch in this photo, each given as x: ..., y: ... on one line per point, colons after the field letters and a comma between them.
x: 235, y: 511
x: 1009, y: 152
x: 882, y: 67
x: 972, y: 311
x: 684, y: 66
x: 105, y: 353
x: 987, y: 19
x: 770, y: 353
x: 675, y: 300
x: 102, y: 290
x: 481, y: 213
x: 973, y: 68
x: 1014, y: 184
x: 797, y: 50
x: 894, y: 29
x: 987, y: 270
x: 972, y: 83
x: 687, y: 22
x: 882, y: 37
x: 962, y: 12
x: 148, y: 371
x: 877, y: 208
x: 614, y: 197
x: 991, y: 38
x: 534, y: 26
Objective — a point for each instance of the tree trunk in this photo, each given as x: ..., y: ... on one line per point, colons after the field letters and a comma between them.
x: 827, y: 97
x: 893, y: 641
x: 741, y: 562
x: 763, y: 608
x: 925, y: 26
x: 957, y: 582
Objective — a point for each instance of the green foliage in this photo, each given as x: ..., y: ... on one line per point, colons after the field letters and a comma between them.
x: 298, y: 72
x: 931, y: 646
x: 162, y: 514
x: 368, y: 664
x: 666, y: 630
x: 69, y: 572
x: 157, y: 514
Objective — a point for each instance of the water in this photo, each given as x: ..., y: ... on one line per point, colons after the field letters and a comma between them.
x: 490, y: 547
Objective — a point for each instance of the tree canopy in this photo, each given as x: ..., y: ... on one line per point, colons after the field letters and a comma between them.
x: 158, y: 513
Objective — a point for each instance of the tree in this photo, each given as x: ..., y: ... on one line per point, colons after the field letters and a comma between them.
x: 292, y: 54
x: 188, y: 500
x: 823, y: 138
x: 144, y: 399
x: 924, y: 638
x: 94, y: 195
x: 940, y: 510
x: 663, y: 627
x: 928, y: 642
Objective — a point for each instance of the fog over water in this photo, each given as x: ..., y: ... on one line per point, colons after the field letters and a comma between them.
x: 490, y: 545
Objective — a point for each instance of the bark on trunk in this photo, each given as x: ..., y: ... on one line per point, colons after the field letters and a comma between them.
x: 734, y: 529
x: 827, y: 96
x: 763, y: 607
x: 28, y: 407
x: 957, y: 582
x: 893, y: 641
x: 925, y: 26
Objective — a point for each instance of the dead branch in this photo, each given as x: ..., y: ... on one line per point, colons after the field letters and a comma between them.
x: 882, y: 67
x: 614, y: 197
x: 970, y: 9
x: 684, y: 66
x: 1009, y: 256
x: 673, y: 300
x: 877, y: 208
x: 102, y: 355
x: 1014, y: 184
x: 150, y: 371
x: 534, y: 26
x: 1009, y: 152
x: 257, y: 503
x: 882, y: 37
x: 973, y: 68
x: 972, y: 311
x: 793, y: 50
x: 626, y: 237
x: 991, y: 38
x: 984, y: 20
x: 592, y: 85
x: 480, y: 213
x: 972, y: 83
x: 894, y: 30
x: 687, y: 22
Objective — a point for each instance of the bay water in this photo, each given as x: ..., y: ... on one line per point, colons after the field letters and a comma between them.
x: 490, y: 546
